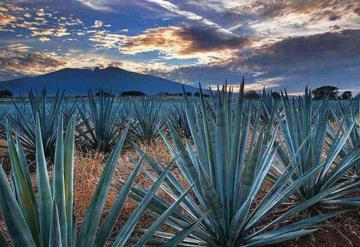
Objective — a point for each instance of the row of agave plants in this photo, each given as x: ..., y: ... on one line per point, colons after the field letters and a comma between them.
x: 99, y: 119
x: 307, y: 150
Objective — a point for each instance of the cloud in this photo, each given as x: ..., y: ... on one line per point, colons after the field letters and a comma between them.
x: 18, y: 47
x: 141, y: 66
x: 173, y: 8
x: 98, y: 24
x: 331, y: 58
x: 107, y: 40
x: 357, y: 11
x: 44, y: 39
x: 319, y: 50
x: 182, y: 41
x: 40, y: 13
x: 254, y: 86
x: 204, y: 73
x: 29, y: 62
x: 268, y: 83
x: 18, y: 60
x: 6, y: 19
x: 268, y: 21
x: 57, y: 32
x: 325, y: 9
x: 175, y: 42
x: 293, y: 63
x: 37, y: 21
x: 96, y: 4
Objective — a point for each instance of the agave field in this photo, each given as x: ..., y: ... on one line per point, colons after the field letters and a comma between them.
x: 242, y: 172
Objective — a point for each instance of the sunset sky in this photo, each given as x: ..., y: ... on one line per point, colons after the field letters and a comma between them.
x: 273, y: 43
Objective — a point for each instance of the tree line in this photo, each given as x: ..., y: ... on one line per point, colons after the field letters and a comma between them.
x: 320, y: 93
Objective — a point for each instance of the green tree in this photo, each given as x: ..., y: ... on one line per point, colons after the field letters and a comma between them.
x: 5, y: 93
x: 325, y: 91
x: 132, y: 93
x: 346, y: 95
x: 275, y: 95
x: 252, y: 95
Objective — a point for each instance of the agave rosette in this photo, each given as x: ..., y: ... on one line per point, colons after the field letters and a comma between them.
x: 226, y: 165
x: 23, y: 120
x: 100, y: 125
x: 146, y: 119
x: 309, y: 139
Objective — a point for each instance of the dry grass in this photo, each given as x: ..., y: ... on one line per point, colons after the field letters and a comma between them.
x: 88, y: 169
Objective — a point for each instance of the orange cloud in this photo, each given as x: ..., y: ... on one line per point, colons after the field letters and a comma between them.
x: 19, y: 59
x: 256, y: 86
x: 6, y: 19
x: 29, y: 63
x: 57, y: 32
x: 203, y: 43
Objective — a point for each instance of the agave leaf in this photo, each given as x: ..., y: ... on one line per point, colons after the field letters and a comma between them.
x: 24, y: 189
x: 2, y: 240
x: 178, y: 238
x: 59, y: 183
x: 174, y: 185
x: 114, y: 213
x: 301, y: 206
x: 14, y: 218
x: 69, y: 142
x: 22, y: 159
x: 301, y: 224
x: 336, y: 148
x: 55, y: 229
x: 188, y: 170
x: 269, y: 203
x: 221, y: 158
x: 93, y: 213
x: 238, y: 221
x: 239, y: 160
x: 355, y: 202
x: 129, y: 226
x: 158, y: 206
x: 45, y: 197
x: 161, y: 219
x: 281, y: 238
x: 345, y: 165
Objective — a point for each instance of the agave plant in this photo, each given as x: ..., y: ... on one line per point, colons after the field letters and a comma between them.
x: 24, y: 117
x: 49, y: 220
x: 227, y: 164
x: 69, y: 109
x: 100, y: 123
x: 178, y: 119
x: 270, y: 105
x: 146, y: 119
x: 306, y: 130
x: 345, y: 113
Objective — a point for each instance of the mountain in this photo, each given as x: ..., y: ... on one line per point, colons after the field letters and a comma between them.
x: 77, y: 82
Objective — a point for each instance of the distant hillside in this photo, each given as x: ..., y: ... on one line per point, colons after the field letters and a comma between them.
x: 77, y: 82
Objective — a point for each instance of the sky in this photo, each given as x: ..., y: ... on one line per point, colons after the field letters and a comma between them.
x: 277, y: 44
